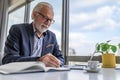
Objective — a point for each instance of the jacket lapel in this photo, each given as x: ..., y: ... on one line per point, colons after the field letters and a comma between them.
x: 44, y: 51
x: 31, y: 38
x: 44, y: 46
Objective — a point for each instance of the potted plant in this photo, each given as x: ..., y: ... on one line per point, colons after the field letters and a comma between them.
x: 108, y: 54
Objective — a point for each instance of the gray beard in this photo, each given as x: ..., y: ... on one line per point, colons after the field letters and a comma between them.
x: 41, y: 30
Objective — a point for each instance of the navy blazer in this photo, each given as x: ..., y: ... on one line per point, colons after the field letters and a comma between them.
x: 20, y: 42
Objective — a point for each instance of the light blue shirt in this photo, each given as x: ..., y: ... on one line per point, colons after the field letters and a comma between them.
x: 37, y: 49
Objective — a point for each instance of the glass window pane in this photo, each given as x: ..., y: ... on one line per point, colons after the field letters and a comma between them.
x: 16, y: 17
x: 55, y: 27
x: 93, y: 21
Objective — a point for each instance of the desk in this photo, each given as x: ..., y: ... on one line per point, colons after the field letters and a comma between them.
x: 104, y: 74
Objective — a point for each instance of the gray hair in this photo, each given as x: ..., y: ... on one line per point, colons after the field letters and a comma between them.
x: 40, y: 5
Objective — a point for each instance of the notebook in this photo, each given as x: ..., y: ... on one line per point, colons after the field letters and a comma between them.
x: 22, y: 67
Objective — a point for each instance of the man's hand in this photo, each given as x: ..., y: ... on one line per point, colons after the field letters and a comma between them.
x: 50, y: 60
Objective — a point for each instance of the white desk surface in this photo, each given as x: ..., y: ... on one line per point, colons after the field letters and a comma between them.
x: 104, y: 74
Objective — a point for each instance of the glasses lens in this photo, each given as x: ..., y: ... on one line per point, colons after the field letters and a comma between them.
x: 46, y: 18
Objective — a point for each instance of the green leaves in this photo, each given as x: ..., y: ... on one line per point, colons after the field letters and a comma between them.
x: 106, y: 47
x: 119, y: 45
x: 113, y: 48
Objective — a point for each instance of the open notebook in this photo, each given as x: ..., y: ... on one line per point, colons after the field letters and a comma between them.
x: 22, y: 67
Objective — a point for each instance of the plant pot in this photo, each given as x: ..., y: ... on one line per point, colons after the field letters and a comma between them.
x: 108, y: 61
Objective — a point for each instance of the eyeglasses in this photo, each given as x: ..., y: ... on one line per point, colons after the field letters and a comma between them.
x: 45, y: 18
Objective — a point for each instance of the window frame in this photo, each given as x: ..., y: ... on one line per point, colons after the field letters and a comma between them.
x: 65, y: 34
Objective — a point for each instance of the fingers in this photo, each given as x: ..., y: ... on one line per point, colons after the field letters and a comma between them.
x: 50, y: 60
x: 51, y: 64
x: 54, y: 59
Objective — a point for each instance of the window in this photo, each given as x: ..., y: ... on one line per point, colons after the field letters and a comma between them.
x: 92, y: 22
x: 16, y: 17
x: 56, y: 27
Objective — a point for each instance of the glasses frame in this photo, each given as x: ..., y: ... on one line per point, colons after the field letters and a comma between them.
x: 46, y: 18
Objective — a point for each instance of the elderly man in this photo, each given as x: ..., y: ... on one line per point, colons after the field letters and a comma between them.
x: 34, y: 42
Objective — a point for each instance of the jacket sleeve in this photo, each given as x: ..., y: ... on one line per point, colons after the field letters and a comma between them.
x: 50, y: 45
x: 12, y: 49
x: 58, y: 53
